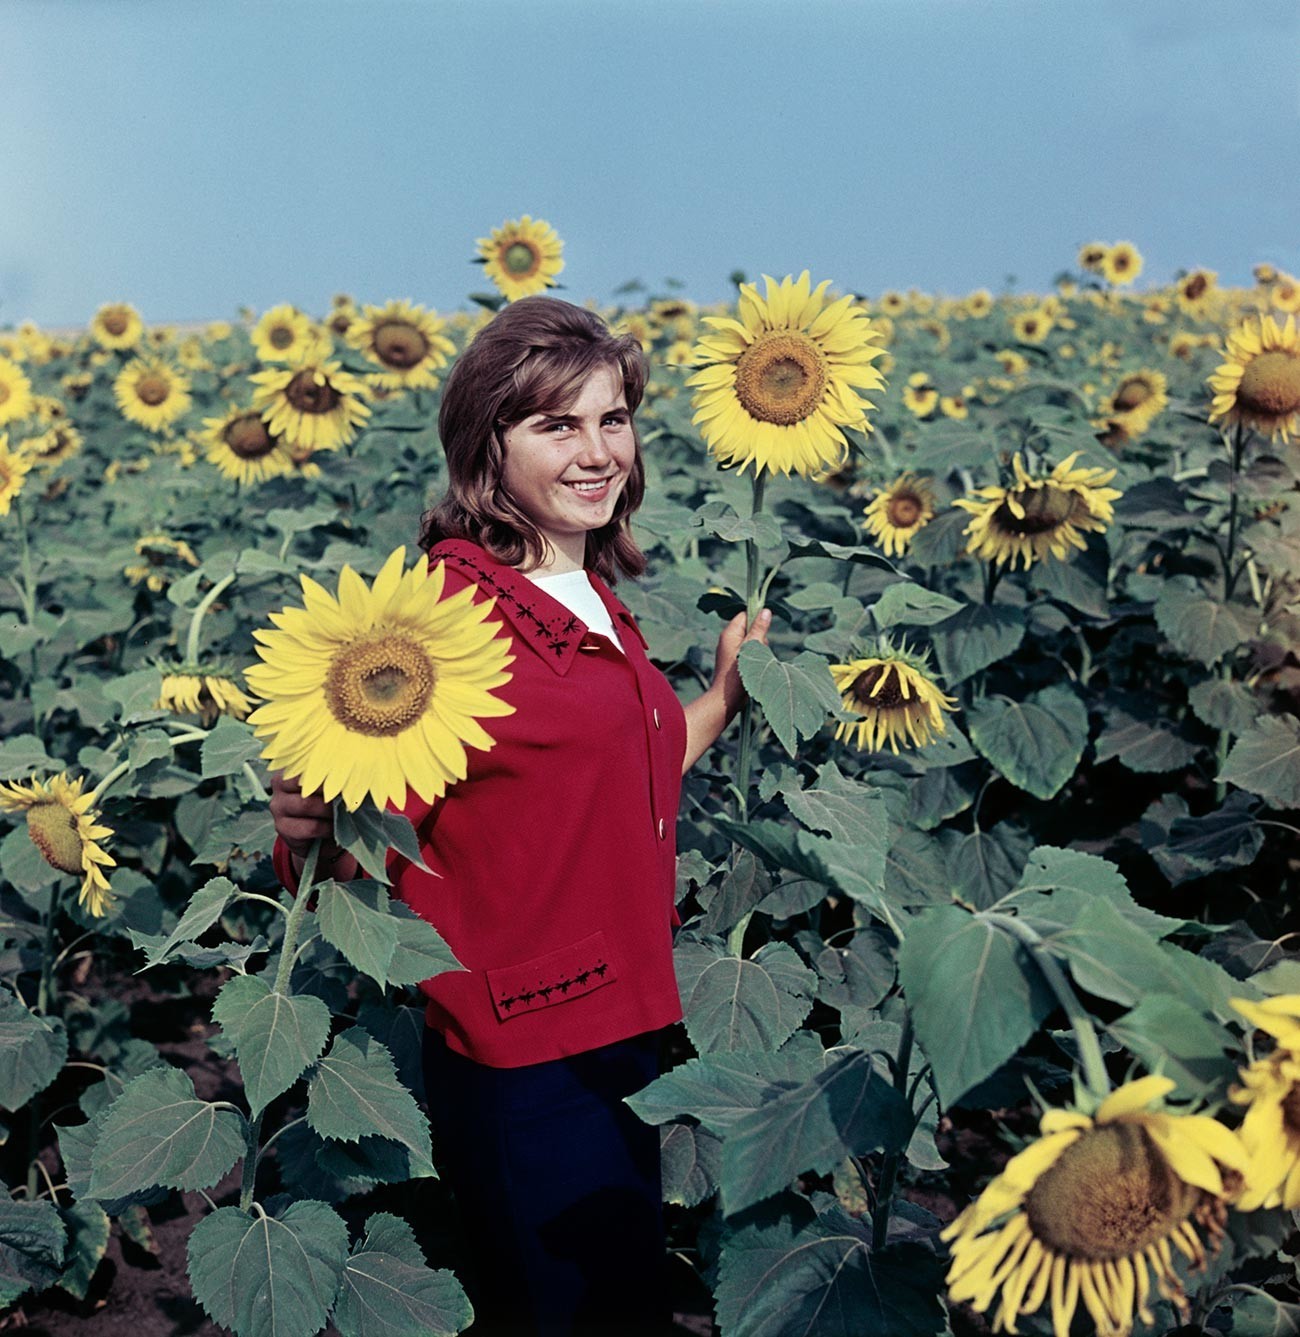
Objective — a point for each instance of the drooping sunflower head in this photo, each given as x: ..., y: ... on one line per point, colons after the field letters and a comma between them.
x: 379, y: 688
x: 206, y: 690
x: 522, y: 256
x: 777, y: 385
x: 14, y: 468
x: 243, y: 448
x: 1091, y: 254
x: 1095, y: 1210
x: 1258, y: 384
x: 895, y: 515
x: 117, y: 325
x: 1133, y: 406
x: 406, y: 342
x: 893, y: 698
x: 1121, y: 264
x: 1195, y: 290
x: 315, y: 405
x: 1270, y: 1090
x: 162, y: 559
x: 61, y: 442
x: 16, y: 400
x: 153, y: 393
x: 285, y: 334
x: 66, y: 827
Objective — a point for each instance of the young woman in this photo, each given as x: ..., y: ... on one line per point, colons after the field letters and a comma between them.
x: 555, y: 857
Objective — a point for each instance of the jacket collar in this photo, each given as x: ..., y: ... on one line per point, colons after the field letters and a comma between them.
x: 540, y: 621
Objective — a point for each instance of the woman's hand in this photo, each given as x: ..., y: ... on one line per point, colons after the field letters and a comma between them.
x: 710, y: 713
x: 301, y: 818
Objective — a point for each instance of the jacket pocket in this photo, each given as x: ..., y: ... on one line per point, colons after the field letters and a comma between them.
x: 556, y: 977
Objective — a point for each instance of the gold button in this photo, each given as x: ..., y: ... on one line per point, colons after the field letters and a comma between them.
x: 662, y: 828
x: 656, y: 715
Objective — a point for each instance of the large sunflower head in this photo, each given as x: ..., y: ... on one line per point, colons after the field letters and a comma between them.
x: 117, y: 325
x: 151, y: 392
x: 1259, y: 383
x: 1121, y: 264
x: 778, y: 384
x: 893, y: 697
x: 16, y: 400
x: 406, y: 342
x: 284, y: 334
x: 1039, y: 515
x: 522, y: 256
x: 14, y: 468
x: 1270, y: 1089
x: 242, y: 446
x: 1096, y: 1209
x: 380, y: 688
x: 206, y: 690
x: 314, y: 406
x: 66, y: 827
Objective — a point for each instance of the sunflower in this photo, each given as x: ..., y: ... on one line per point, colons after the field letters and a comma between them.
x: 894, y: 698
x: 1091, y: 255
x: 892, y: 303
x: 522, y: 256
x: 151, y: 392
x: 979, y: 303
x: 957, y: 406
x: 406, y: 342
x: 1137, y: 399
x: 381, y: 687
x: 64, y: 825
x: 919, y: 395
x: 160, y: 552
x: 316, y: 405
x: 284, y: 334
x: 1093, y: 1204
x: 1194, y: 291
x: 1013, y: 363
x: 894, y: 515
x: 1031, y: 327
x: 15, y: 392
x: 206, y: 691
x: 1265, y: 273
x: 1037, y: 516
x: 1121, y: 264
x: 14, y: 467
x: 1270, y: 1088
x: 1285, y: 293
x: 241, y: 445
x: 52, y: 447
x: 1259, y: 384
x: 117, y: 325
x: 777, y: 385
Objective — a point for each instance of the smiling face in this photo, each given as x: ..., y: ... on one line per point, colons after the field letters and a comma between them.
x: 565, y: 471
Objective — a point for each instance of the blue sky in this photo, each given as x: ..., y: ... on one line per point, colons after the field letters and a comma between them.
x: 196, y: 158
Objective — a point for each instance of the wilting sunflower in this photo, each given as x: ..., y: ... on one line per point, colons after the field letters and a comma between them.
x: 1031, y: 327
x: 894, y: 697
x: 60, y: 443
x: 406, y: 342
x: 777, y: 385
x: 1121, y: 264
x: 284, y: 334
x: 317, y: 406
x: 65, y: 826
x: 522, y: 256
x: 1259, y: 384
x: 894, y: 515
x: 117, y: 325
x: 151, y: 392
x: 380, y: 688
x: 1137, y: 399
x: 1270, y: 1088
x: 1094, y: 1209
x: 162, y: 558
x: 15, y: 392
x: 203, y: 690
x: 241, y: 445
x: 1194, y: 291
x: 1035, y: 517
x: 1091, y: 254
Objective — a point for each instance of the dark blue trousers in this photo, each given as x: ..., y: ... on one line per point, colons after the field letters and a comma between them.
x: 559, y: 1189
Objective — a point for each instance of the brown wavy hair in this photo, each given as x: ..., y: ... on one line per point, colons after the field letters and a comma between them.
x: 534, y: 356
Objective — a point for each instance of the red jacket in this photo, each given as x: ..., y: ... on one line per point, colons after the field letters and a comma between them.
x: 557, y: 852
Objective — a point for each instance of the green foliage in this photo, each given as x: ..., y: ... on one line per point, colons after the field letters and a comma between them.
x: 33, y: 1050
x: 1036, y: 743
x: 33, y: 1239
x: 795, y: 694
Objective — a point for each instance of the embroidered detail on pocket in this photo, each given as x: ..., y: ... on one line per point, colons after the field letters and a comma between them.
x: 569, y: 972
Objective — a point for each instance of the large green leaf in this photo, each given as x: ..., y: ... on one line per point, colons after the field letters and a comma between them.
x: 1147, y: 747
x: 1199, y: 627
x: 421, y: 951
x: 1227, y: 837
x: 979, y: 635
x: 983, y: 865
x: 88, y: 1231
x: 690, y: 1158
x: 205, y: 908
x: 354, y: 917
x: 266, y: 1276
x: 388, y: 1291
x: 905, y: 603
x: 846, y: 1109
x: 159, y: 1132
x: 1177, y: 1040
x: 370, y: 832
x: 1036, y: 743
x: 32, y: 1243
x: 975, y: 996
x: 1266, y: 761
x: 796, y: 695
x: 33, y: 1050
x: 355, y: 1093
x: 227, y: 747
x: 275, y: 1035
x: 734, y: 1003
x: 1223, y: 703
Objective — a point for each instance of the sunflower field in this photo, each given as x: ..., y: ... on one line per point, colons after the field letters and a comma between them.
x: 989, y: 952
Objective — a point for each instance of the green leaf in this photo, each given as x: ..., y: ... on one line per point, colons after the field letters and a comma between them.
x: 916, y: 869
x: 735, y: 1003
x: 1079, y: 583
x: 159, y: 1132
x: 149, y: 745
x: 23, y: 865
x: 88, y: 1231
x: 369, y: 833
x: 22, y: 755
x: 846, y: 809
x: 1256, y: 1313
x: 355, y: 1092
x: 1199, y: 627
x: 421, y: 951
x: 388, y: 1291
x: 353, y: 916
x: 33, y: 1050
x: 1228, y: 837
x: 32, y: 1243
x: 1177, y: 1040
x: 974, y: 994
x: 856, y: 978
x: 227, y: 747
x: 979, y: 635
x: 135, y: 694
x: 795, y: 695
x: 1266, y: 760
x: 984, y: 865
x: 690, y: 1160
x: 263, y: 1276
x: 1148, y: 748
x: 846, y: 1109
x: 1224, y: 704
x: 941, y: 793
x: 205, y: 908
x: 905, y: 603
x: 276, y: 1036
x: 1036, y: 743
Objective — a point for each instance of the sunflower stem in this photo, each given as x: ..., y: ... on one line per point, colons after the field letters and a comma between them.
x: 751, y: 610
x: 114, y: 775
x: 306, y: 880
x: 1230, y: 576
x: 889, y: 1168
x: 252, y: 1131
x: 196, y: 622
x: 44, y: 991
x: 992, y: 574
x: 27, y: 591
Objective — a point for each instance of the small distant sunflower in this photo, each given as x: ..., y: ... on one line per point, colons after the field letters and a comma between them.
x: 1270, y: 1088
x: 204, y: 690
x: 1194, y: 290
x: 1285, y: 293
x: 61, y: 442
x: 64, y: 825
x: 679, y: 353
x: 638, y: 326
x: 242, y: 447
x: 919, y: 395
x: 380, y: 688
x: 1038, y: 517
x: 318, y: 405
x: 892, y: 303
x: 151, y: 392
x: 1013, y: 363
x: 522, y: 256
x: 342, y: 315
x: 284, y: 334
x: 1031, y: 327
x: 957, y: 406
x: 979, y: 303
x: 14, y: 467
x: 1259, y: 383
x: 16, y: 400
x: 406, y: 342
x: 894, y: 697
x: 162, y: 557
x: 1094, y: 1210
x: 1121, y: 264
x: 1265, y: 273
x: 117, y: 325
x: 674, y: 317
x: 779, y: 383
x: 1137, y: 400
x: 1091, y: 255
x: 76, y: 384
x: 894, y: 515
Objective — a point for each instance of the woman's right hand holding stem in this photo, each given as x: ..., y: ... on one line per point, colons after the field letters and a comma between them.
x: 301, y: 818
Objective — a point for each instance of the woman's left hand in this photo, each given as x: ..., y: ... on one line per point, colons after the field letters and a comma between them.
x: 726, y: 676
